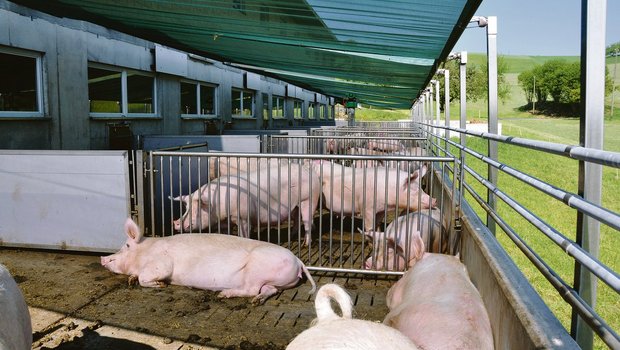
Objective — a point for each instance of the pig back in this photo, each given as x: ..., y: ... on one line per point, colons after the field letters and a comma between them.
x: 206, y: 261
x: 436, y: 305
x: 15, y: 327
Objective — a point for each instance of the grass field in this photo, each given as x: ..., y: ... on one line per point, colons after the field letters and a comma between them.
x: 558, y: 171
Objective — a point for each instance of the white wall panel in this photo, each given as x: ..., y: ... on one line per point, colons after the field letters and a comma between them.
x: 75, y: 200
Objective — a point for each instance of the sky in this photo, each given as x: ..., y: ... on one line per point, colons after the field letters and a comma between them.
x: 536, y: 27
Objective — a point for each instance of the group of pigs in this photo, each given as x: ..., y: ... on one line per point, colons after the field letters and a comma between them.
x: 257, y: 192
x: 433, y: 306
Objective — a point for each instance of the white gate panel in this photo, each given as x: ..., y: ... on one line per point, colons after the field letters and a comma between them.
x: 75, y: 200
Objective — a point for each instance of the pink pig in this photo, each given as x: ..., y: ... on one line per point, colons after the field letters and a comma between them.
x: 331, y: 331
x: 266, y: 196
x: 436, y: 305
x: 223, y: 166
x: 372, y: 192
x: 386, y: 145
x: 238, y: 267
x: 403, y: 242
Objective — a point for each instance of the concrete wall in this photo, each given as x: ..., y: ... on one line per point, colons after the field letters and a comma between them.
x: 69, y: 46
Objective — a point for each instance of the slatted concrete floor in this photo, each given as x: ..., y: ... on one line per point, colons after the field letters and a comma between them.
x: 85, y: 300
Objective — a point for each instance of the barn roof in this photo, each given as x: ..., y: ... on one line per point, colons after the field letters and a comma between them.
x: 382, y: 52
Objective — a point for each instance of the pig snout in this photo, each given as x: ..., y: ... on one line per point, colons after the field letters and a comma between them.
x: 177, y: 224
x: 105, y: 261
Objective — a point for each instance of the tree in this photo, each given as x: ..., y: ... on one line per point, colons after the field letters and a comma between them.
x: 477, y: 81
x: 613, y: 49
x: 527, y: 83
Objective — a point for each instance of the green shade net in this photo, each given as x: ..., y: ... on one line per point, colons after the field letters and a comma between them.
x: 382, y: 52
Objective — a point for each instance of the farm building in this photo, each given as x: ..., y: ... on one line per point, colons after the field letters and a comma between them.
x: 218, y: 119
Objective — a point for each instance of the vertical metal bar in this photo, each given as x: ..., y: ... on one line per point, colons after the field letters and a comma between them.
x: 446, y: 74
x: 139, y: 188
x: 463, y: 97
x: 437, y: 112
x: 492, y: 122
x: 593, y: 16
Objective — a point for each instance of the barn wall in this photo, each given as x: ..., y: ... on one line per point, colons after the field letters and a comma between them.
x: 68, y: 46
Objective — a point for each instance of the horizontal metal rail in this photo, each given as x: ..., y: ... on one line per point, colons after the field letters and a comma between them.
x: 599, y: 269
x: 339, y: 247
x: 305, y: 156
x: 607, y: 158
x: 571, y: 199
x: 607, y: 334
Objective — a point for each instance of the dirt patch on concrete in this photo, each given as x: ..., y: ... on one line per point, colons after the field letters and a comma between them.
x: 75, y: 285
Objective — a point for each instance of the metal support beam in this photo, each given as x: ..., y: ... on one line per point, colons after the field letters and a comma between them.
x: 593, y: 18
x: 492, y: 121
x: 437, y: 112
x: 463, y: 96
x: 446, y: 107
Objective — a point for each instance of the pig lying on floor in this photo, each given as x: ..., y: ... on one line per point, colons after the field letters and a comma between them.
x: 330, y: 331
x: 436, y: 305
x: 238, y: 267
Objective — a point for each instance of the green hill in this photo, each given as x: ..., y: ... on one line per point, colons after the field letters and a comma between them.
x: 518, y: 64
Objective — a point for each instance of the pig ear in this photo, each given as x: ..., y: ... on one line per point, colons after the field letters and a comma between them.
x: 132, y: 230
x: 418, y: 174
x: 178, y: 198
x: 391, y: 244
x: 418, y: 248
x: 422, y: 170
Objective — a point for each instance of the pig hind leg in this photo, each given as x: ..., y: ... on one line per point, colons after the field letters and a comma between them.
x: 265, y: 292
x: 307, y: 209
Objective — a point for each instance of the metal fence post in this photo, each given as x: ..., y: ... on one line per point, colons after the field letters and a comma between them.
x: 593, y: 15
x: 437, y: 112
x: 463, y: 96
x: 446, y: 110
x: 492, y: 121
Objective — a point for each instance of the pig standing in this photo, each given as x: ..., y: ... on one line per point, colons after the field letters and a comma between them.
x: 330, y: 331
x: 238, y: 267
x: 15, y: 327
x: 403, y: 242
x: 386, y: 145
x: 436, y: 305
x: 263, y: 197
x: 372, y: 193
x: 223, y: 166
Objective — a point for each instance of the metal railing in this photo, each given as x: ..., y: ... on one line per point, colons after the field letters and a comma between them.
x: 352, y: 202
x: 572, y: 200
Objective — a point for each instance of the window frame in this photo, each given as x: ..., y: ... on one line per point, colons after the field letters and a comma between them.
x: 124, y: 113
x: 276, y: 98
x: 312, y: 110
x: 199, y: 115
x: 242, y: 92
x: 38, y: 57
x: 300, y: 108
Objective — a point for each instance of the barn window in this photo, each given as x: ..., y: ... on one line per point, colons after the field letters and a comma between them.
x: 297, y: 105
x: 198, y: 100
x: 277, y: 106
x: 20, y: 84
x: 242, y: 103
x: 116, y: 93
x: 322, y: 111
x: 311, y: 108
